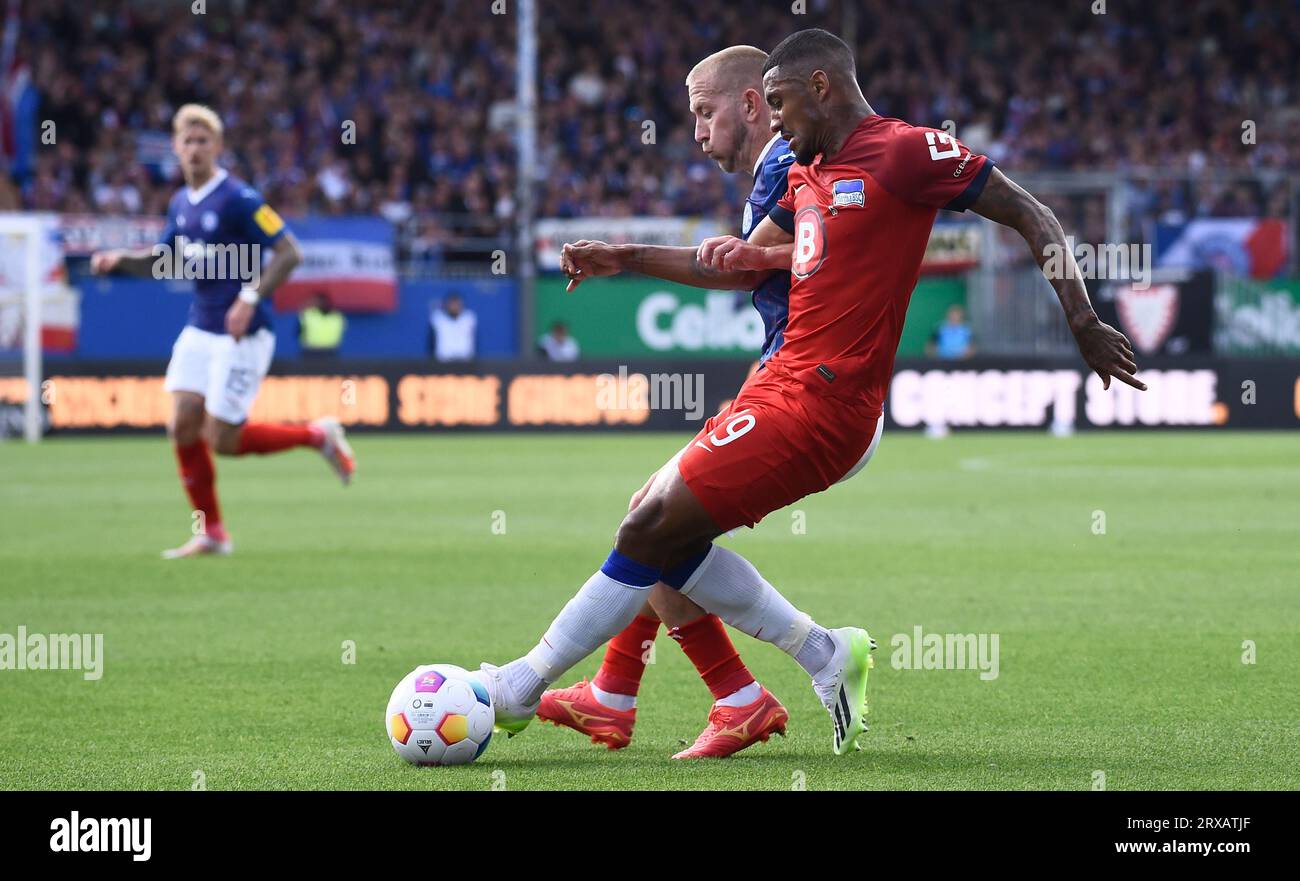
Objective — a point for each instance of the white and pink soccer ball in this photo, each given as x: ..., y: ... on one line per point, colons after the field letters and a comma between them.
x: 439, y: 714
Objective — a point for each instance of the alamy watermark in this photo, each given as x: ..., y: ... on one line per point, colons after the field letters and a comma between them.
x: 184, y: 259
x: 1109, y: 260
x: 78, y: 834
x: 54, y: 651
x: 946, y: 651
x: 658, y: 391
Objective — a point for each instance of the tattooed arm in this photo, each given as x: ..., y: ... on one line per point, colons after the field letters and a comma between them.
x: 1105, y: 349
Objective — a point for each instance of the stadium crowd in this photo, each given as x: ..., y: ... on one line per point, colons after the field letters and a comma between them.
x: 405, y: 108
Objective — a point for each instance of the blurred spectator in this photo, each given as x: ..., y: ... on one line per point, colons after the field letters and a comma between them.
x: 452, y: 328
x: 321, y: 327
x: 10, y: 198
x: 557, y: 345
x: 951, y: 340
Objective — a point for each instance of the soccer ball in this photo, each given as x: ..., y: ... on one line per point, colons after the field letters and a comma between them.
x: 439, y: 714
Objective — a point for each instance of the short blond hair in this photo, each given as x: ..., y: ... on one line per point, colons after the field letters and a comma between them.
x: 731, y: 70
x: 196, y: 114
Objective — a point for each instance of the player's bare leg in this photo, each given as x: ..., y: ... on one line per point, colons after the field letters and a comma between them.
x: 198, y: 477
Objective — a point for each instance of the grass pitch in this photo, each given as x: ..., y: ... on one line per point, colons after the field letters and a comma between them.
x: 1119, y: 652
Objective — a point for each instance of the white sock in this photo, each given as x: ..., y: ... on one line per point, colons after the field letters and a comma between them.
x: 598, y: 611
x: 817, y: 650
x: 523, y: 681
x: 613, y: 700
x: 742, y: 697
x: 729, y: 586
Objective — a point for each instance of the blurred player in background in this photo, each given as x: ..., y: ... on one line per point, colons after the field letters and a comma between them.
x: 225, y: 350
x: 859, y: 207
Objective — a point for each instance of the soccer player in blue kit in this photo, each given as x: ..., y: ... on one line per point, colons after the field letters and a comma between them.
x: 220, y: 225
x: 732, y: 127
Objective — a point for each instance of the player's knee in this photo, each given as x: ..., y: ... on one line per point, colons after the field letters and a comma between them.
x: 186, y: 425
x: 647, y: 533
x: 637, y: 533
x: 222, y: 441
x: 183, y: 433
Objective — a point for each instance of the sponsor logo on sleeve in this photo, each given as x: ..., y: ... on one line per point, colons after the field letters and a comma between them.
x: 962, y: 166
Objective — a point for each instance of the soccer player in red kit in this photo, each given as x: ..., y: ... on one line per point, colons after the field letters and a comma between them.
x: 725, y: 96
x: 859, y: 206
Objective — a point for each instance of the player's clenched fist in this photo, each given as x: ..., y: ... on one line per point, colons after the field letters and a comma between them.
x: 728, y: 252
x: 587, y: 259
x: 238, y: 317
x: 104, y: 262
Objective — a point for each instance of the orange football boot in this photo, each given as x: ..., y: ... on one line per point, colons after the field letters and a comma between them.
x: 577, y: 708
x: 335, y: 448
x: 731, y: 729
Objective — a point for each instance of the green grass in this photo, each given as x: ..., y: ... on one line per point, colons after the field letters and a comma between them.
x: 1120, y: 652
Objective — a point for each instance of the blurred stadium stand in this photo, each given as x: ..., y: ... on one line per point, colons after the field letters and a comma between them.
x: 430, y: 85
x: 1163, y: 123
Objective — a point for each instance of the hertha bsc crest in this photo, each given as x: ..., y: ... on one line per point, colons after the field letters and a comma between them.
x: 848, y: 192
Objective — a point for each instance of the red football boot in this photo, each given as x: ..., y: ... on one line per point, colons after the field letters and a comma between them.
x: 731, y: 729
x: 577, y: 708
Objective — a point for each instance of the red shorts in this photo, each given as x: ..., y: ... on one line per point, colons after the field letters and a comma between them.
x: 774, y: 444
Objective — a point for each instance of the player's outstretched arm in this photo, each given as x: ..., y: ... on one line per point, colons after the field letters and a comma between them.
x: 770, y: 250
x: 585, y: 259
x: 1105, y: 349
x: 131, y: 262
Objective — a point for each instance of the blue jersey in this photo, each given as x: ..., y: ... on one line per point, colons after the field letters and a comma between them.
x: 772, y: 297
x: 225, y: 211
x: 952, y: 340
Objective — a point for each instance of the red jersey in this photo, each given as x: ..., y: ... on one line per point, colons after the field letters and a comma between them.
x: 861, y: 221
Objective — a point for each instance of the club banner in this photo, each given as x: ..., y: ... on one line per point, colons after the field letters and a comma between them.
x: 679, y: 394
x: 1172, y: 315
x: 84, y: 234
x: 1248, y: 246
x: 349, y: 259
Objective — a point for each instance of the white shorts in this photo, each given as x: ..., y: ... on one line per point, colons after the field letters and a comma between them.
x: 871, y: 449
x: 226, y: 373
